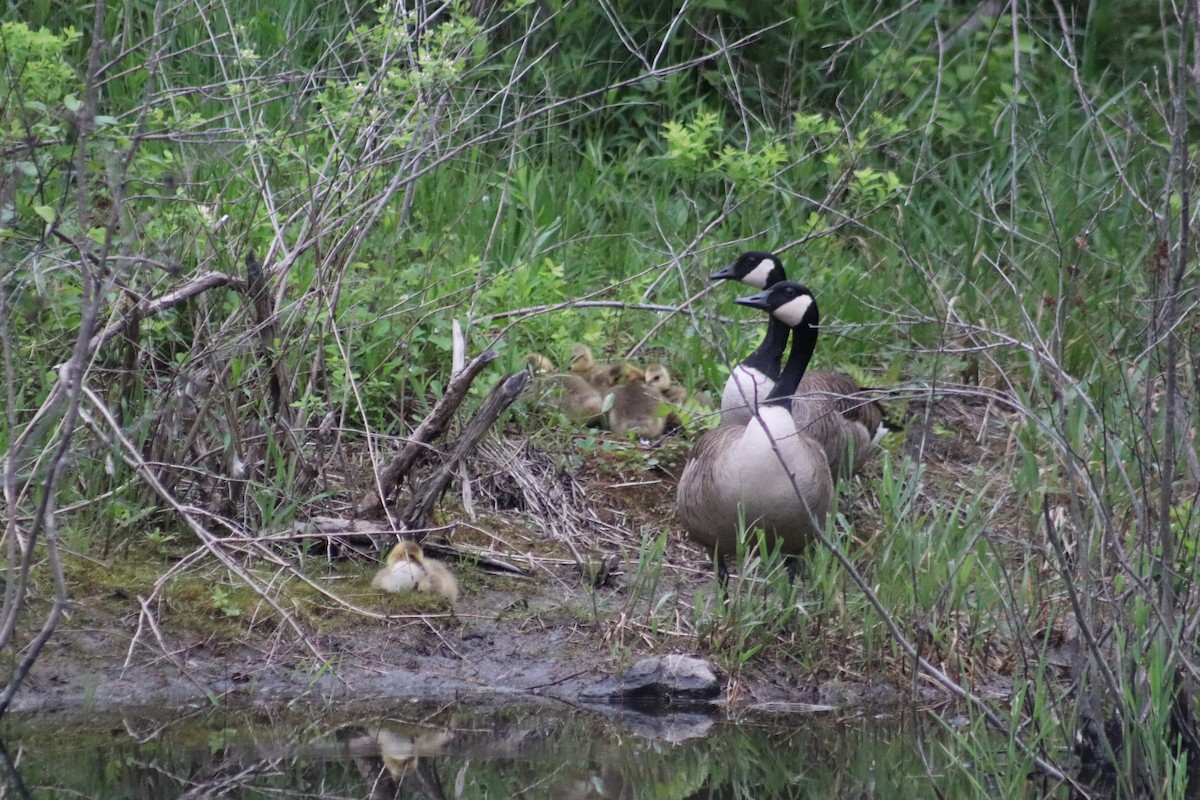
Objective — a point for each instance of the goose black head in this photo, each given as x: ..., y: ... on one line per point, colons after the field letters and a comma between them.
x: 756, y: 268
x: 790, y: 303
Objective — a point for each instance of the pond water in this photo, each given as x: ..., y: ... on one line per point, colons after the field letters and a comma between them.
x: 541, y: 751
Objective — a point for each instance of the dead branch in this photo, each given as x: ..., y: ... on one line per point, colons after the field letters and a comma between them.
x: 149, y: 308
x: 268, y: 334
x: 432, y: 427
x: 343, y: 528
x: 416, y: 515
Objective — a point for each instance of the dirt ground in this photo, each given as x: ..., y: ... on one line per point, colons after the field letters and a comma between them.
x: 544, y: 633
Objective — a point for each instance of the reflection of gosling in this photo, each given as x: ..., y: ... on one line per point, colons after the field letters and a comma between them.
x: 636, y: 405
x: 602, y: 376
x: 401, y: 753
x: 408, y: 569
x: 574, y: 395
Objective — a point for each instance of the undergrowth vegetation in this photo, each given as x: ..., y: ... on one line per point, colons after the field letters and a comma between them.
x: 234, y: 242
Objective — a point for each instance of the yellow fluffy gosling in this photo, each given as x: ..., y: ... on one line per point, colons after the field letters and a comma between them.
x: 409, y: 569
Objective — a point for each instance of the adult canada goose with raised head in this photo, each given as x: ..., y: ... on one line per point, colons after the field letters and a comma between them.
x: 751, y: 380
x: 765, y: 472
x: 828, y: 405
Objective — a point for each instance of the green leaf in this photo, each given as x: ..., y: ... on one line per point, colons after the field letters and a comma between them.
x: 72, y: 103
x: 46, y: 213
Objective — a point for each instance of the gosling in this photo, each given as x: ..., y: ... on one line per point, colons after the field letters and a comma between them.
x: 602, y: 376
x: 573, y: 394
x: 409, y: 569
x: 637, y: 405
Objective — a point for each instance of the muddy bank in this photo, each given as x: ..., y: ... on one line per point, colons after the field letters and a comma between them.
x: 547, y: 634
x: 536, y: 648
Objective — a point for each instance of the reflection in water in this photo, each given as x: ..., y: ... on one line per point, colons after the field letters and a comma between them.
x: 530, y: 753
x: 390, y: 761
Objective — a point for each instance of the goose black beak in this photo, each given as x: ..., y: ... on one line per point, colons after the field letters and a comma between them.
x: 755, y: 301
x: 726, y: 274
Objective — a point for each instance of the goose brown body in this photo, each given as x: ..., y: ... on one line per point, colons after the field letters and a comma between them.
x: 766, y: 473
x: 828, y: 406
x: 734, y: 479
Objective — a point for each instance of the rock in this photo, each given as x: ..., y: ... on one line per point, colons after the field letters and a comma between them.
x: 661, y: 681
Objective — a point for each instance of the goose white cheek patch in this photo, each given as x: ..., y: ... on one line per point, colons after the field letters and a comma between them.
x: 792, y: 312
x: 757, y: 277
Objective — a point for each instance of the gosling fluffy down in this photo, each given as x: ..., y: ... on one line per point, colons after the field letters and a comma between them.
x: 572, y: 394
x: 602, y: 376
x: 637, y: 405
x: 409, y: 569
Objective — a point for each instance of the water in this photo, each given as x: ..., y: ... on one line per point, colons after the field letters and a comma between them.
x: 542, y: 751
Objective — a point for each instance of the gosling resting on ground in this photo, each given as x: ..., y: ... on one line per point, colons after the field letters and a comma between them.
x: 602, y: 376
x: 409, y: 569
x: 636, y: 405
x: 573, y: 394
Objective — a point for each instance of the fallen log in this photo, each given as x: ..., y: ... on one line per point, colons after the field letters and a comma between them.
x: 393, y: 475
x: 420, y: 507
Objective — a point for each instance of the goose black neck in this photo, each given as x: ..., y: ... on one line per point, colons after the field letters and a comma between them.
x: 804, y: 342
x: 767, y: 357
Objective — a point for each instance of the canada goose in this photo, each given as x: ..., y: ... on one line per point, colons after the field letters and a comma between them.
x: 847, y: 427
x: 408, y: 568
x: 574, y: 395
x: 827, y: 406
x: 765, y: 472
x: 751, y: 381
x: 636, y: 405
x: 602, y: 376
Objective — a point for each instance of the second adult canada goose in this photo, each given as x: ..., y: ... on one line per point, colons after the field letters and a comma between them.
x: 765, y: 473
x: 409, y: 569
x: 828, y: 404
x: 637, y: 404
x: 751, y: 380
